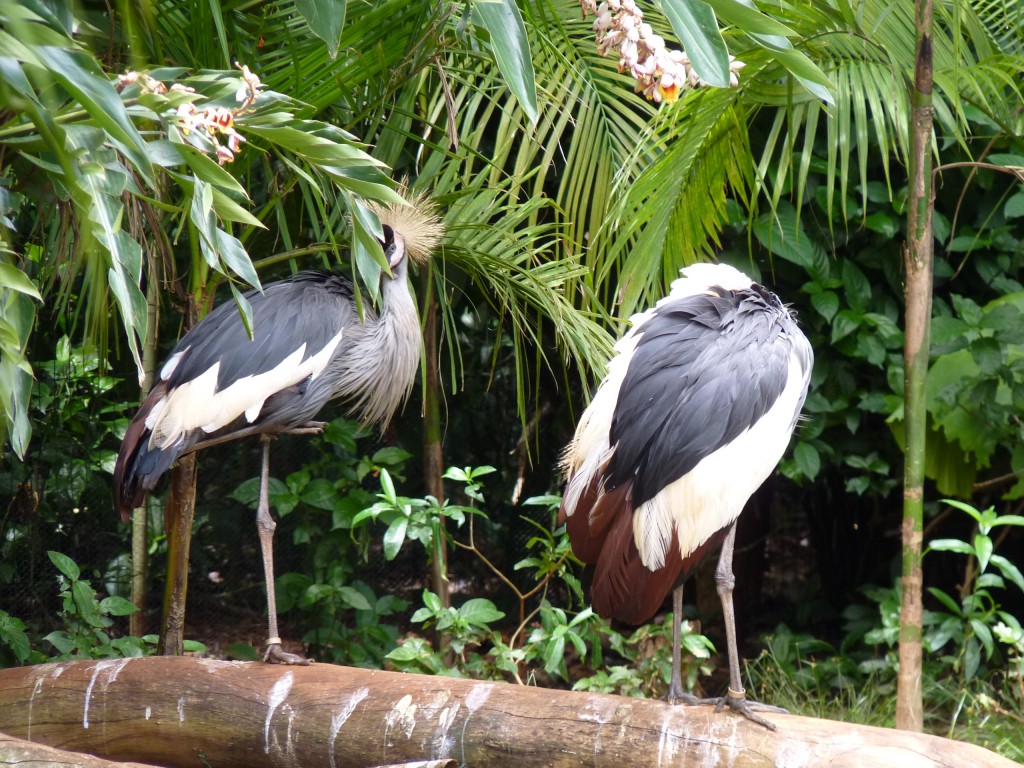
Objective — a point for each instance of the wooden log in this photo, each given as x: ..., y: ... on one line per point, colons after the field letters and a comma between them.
x: 190, y: 712
x: 18, y: 753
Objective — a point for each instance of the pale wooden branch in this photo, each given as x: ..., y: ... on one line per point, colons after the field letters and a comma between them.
x: 18, y: 753
x: 187, y: 712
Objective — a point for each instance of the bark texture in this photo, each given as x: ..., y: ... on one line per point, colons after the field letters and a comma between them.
x: 192, y: 712
x: 918, y: 294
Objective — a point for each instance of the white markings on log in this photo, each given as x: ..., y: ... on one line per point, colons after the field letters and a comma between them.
x: 793, y: 754
x: 724, y: 731
x: 668, y: 743
x: 181, y: 709
x: 338, y: 718
x: 597, y: 711
x: 427, y: 710
x: 442, y: 744
x: 43, y: 671
x: 149, y: 712
x: 278, y: 693
x: 114, y: 666
x: 475, y: 699
x: 403, y: 714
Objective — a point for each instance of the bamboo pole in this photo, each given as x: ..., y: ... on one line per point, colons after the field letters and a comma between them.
x: 918, y: 260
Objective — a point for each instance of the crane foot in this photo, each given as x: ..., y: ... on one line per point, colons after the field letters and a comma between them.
x: 277, y: 655
x: 676, y: 695
x: 741, y: 705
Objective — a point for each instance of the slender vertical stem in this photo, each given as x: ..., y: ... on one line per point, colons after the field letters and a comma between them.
x: 181, y: 499
x: 918, y: 260
x: 433, y: 455
x: 140, y: 517
x: 180, y: 512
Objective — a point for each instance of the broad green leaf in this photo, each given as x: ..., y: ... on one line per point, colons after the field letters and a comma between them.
x: 983, y: 549
x: 13, y: 76
x: 951, y: 545
x: 14, y: 279
x: 826, y: 303
x: 60, y: 641
x: 228, y: 210
x: 1008, y: 569
x: 79, y: 73
x: 390, y: 455
x: 511, y: 50
x: 123, y: 277
x: 117, y: 606
x: 807, y: 459
x: 984, y: 634
x: 480, y: 611
x: 64, y: 564
x: 208, y: 170
x: 245, y: 313
x: 1014, y: 207
x: 236, y: 257
x: 951, y: 605
x: 394, y: 537
x: 806, y: 71
x: 325, y: 18
x: 694, y: 23
x: 353, y: 598
x: 320, y: 493
x: 745, y: 16
x: 856, y: 286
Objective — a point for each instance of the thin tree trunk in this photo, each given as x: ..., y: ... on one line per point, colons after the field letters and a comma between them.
x: 433, y: 454
x: 140, y: 516
x: 178, y: 517
x: 918, y: 260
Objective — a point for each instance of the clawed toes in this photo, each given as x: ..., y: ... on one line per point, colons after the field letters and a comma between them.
x: 741, y: 705
x: 277, y: 655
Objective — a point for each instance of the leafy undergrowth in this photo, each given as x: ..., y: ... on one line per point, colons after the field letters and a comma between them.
x: 808, y: 677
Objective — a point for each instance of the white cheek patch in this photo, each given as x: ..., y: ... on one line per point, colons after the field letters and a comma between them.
x: 197, y: 404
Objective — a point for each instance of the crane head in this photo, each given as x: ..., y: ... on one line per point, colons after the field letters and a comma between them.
x: 414, y: 228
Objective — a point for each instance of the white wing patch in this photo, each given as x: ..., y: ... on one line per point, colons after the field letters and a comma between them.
x: 172, y: 363
x: 197, y: 404
x: 711, y: 495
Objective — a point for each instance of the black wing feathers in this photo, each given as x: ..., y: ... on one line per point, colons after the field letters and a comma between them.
x: 279, y: 330
x: 705, y: 368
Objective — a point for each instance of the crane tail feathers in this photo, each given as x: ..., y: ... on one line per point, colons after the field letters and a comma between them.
x: 588, y: 522
x: 623, y: 588
x: 139, y: 467
x: 600, y: 528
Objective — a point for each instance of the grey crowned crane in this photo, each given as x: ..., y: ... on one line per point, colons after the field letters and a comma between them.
x: 309, y: 346
x: 697, y: 408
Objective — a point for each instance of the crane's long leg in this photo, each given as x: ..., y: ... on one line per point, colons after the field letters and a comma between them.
x: 736, y: 699
x: 265, y: 525
x: 676, y: 694
x: 309, y: 428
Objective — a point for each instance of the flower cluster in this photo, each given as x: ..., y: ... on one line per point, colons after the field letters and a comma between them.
x: 211, y: 122
x: 660, y: 72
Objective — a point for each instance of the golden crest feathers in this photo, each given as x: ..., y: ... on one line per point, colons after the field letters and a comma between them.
x: 419, y: 222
